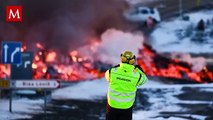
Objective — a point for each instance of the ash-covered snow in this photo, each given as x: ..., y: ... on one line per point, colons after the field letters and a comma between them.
x: 165, y: 105
x: 180, y: 36
x: 155, y: 100
x: 21, y: 108
x: 162, y: 97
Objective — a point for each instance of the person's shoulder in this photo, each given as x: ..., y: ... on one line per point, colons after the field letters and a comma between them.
x: 138, y: 67
x: 118, y: 65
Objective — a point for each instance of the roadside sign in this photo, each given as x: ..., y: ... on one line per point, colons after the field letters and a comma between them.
x: 29, y: 84
x: 34, y: 84
x: 23, y: 70
x: 11, y: 52
x: 4, y: 84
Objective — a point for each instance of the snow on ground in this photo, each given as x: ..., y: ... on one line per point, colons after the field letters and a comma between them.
x: 88, y: 90
x: 26, y: 92
x: 167, y: 102
x: 158, y: 105
x: 207, y: 89
x: 162, y: 98
x: 176, y: 35
x: 20, y: 107
x: 139, y: 1
x: 97, y: 89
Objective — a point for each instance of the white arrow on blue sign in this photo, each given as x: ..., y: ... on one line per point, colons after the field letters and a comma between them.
x: 11, y: 52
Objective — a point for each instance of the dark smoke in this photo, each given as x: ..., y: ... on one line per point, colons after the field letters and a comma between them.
x: 62, y: 24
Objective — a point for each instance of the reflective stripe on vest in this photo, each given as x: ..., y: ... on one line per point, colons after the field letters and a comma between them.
x: 121, y: 100
x: 121, y: 94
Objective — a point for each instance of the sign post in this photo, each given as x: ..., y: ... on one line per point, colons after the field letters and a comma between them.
x: 10, y: 102
x: 45, y: 102
x: 29, y: 84
x: 198, y: 3
x: 181, y: 8
x: 35, y: 84
x: 4, y: 84
x: 11, y: 54
x: 21, y: 68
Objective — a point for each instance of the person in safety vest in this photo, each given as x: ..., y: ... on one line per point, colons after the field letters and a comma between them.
x: 123, y: 81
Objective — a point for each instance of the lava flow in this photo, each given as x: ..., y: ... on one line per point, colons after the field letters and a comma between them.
x: 155, y: 64
x: 73, y: 67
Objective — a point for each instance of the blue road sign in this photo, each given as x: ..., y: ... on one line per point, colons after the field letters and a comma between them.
x: 11, y: 52
x: 23, y: 70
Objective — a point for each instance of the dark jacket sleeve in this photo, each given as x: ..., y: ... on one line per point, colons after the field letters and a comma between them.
x: 107, y: 73
x: 143, y: 78
x: 139, y: 67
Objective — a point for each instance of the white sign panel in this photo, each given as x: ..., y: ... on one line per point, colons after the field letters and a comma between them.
x: 36, y: 84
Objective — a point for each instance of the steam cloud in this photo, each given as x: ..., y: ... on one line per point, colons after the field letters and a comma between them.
x: 114, y: 42
x: 197, y: 62
x: 62, y: 24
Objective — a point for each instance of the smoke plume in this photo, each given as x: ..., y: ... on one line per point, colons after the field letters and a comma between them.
x: 62, y: 24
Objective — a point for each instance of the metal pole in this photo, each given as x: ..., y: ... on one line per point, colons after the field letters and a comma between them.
x: 45, y: 102
x: 198, y: 3
x: 180, y: 8
x: 10, y: 103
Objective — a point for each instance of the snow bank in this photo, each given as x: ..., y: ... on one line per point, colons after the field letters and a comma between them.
x: 165, y: 38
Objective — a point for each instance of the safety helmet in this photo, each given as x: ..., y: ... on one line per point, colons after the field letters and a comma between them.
x: 127, y: 57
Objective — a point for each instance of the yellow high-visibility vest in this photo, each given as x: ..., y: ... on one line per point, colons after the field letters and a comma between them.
x: 123, y: 82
